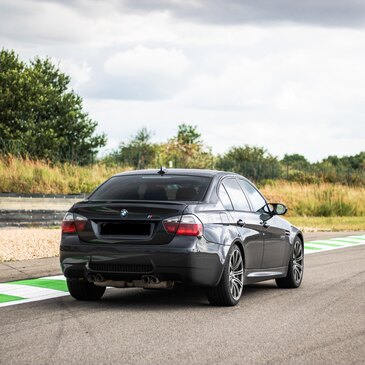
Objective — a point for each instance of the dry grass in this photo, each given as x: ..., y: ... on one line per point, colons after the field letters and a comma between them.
x: 318, y: 200
x: 29, y: 176
x: 332, y: 224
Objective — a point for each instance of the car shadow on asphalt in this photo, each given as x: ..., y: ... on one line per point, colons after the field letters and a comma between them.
x: 181, y: 297
x: 177, y: 298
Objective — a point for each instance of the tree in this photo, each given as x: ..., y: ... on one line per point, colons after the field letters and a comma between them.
x: 186, y: 150
x: 296, y: 161
x: 188, y: 134
x: 40, y: 116
x: 139, y: 153
x: 252, y: 162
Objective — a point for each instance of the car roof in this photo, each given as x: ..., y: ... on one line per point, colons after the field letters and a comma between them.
x: 185, y: 172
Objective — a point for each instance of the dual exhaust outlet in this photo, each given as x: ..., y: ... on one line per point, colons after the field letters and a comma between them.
x: 146, y: 279
x: 150, y: 279
x: 95, y: 278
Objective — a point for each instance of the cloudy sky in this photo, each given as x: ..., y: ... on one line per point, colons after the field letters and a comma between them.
x: 283, y: 74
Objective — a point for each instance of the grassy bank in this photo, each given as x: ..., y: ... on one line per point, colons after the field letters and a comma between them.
x: 333, y: 224
x: 304, y: 200
x: 318, y: 200
x: 28, y: 176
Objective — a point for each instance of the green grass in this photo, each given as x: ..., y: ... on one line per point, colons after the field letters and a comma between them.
x: 329, y: 223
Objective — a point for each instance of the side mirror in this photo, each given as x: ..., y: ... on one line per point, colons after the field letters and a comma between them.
x: 277, y: 208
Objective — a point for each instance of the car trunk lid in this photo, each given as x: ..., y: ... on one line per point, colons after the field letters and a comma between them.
x: 131, y: 222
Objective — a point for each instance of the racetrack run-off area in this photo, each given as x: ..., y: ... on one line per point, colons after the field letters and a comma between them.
x: 30, y: 290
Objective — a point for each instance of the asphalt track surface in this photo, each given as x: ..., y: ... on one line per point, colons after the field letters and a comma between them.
x: 322, y: 322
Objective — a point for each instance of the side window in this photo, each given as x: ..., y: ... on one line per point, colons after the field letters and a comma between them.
x: 225, y: 198
x: 234, y: 191
x: 255, y: 197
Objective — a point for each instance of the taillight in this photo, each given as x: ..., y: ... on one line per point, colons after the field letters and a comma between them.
x: 73, y: 223
x: 186, y: 225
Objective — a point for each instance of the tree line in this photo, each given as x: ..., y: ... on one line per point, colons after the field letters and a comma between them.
x: 187, y: 150
x: 41, y: 117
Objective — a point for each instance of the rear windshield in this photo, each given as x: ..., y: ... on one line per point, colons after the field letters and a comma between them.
x: 150, y: 187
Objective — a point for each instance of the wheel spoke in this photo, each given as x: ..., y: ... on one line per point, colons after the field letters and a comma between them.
x: 236, y: 288
x: 236, y: 274
x: 238, y: 264
x: 238, y: 282
x: 298, y: 266
x: 297, y: 273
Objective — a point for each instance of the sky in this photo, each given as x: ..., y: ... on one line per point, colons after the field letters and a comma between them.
x: 285, y: 75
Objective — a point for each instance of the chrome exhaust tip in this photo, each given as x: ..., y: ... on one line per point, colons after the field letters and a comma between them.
x: 150, y: 279
x: 154, y: 279
x: 99, y: 278
x: 91, y: 278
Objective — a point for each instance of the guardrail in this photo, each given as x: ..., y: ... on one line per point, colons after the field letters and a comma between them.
x: 35, y: 209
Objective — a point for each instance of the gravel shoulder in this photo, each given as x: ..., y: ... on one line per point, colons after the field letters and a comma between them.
x: 28, y: 243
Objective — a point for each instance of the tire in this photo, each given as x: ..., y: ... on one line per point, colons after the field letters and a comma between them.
x: 295, y: 268
x: 83, y: 290
x: 229, y: 289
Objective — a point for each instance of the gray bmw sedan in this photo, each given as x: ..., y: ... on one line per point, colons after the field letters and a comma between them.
x: 159, y: 228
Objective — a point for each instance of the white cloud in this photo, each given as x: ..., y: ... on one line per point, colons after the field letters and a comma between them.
x: 141, y: 61
x: 80, y: 72
x: 288, y: 87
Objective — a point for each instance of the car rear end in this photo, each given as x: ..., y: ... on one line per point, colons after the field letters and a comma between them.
x: 140, y: 229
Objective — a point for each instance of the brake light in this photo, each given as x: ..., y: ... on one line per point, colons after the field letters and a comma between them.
x: 186, y: 225
x: 73, y: 223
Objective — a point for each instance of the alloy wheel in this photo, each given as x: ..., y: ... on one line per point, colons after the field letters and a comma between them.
x: 236, y: 274
x: 298, y: 261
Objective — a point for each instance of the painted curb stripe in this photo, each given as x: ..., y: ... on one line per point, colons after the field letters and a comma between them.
x: 306, y: 247
x: 360, y: 238
x: 28, y: 293
x: 322, y: 246
x: 44, y: 283
x: 4, y: 298
x: 32, y: 290
x: 324, y: 243
x: 333, y: 244
x: 346, y: 240
x: 340, y: 243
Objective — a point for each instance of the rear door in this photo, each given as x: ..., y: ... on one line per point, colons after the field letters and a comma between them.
x: 247, y: 223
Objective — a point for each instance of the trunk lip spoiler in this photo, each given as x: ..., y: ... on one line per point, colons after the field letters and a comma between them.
x: 170, y: 202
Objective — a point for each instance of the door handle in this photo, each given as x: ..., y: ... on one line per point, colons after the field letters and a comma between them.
x: 240, y: 223
x: 264, y: 224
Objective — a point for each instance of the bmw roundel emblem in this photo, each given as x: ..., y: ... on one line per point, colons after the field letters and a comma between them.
x: 124, y: 213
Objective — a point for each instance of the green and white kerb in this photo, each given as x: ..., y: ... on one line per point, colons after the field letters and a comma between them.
x: 25, y: 291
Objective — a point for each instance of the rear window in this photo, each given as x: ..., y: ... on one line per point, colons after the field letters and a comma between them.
x: 151, y: 187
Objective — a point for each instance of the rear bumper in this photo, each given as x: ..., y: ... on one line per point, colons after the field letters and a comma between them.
x: 198, y: 263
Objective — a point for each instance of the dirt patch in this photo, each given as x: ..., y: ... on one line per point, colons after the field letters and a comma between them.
x: 28, y: 243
